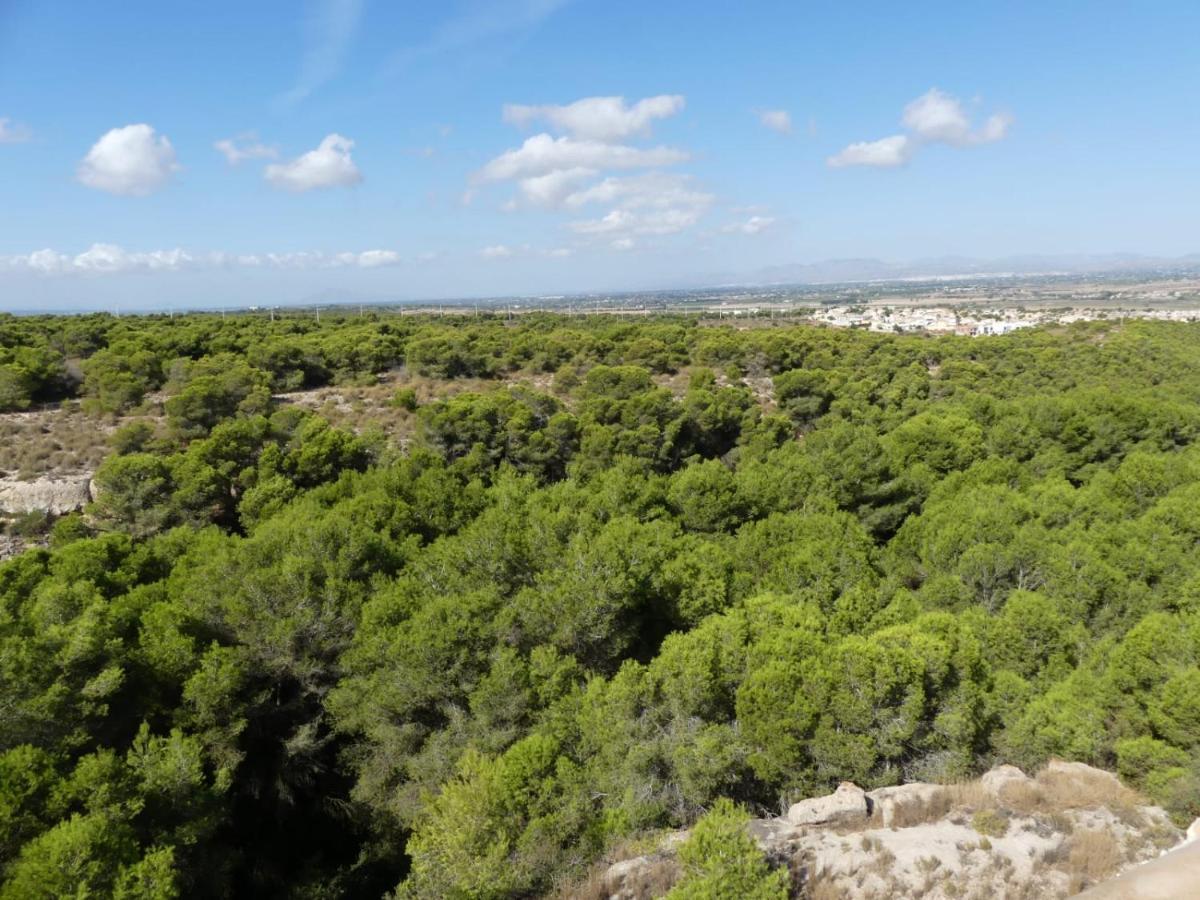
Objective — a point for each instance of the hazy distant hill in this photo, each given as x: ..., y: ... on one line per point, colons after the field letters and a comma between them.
x: 842, y: 270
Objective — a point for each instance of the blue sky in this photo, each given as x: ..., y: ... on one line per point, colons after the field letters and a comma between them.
x: 644, y: 144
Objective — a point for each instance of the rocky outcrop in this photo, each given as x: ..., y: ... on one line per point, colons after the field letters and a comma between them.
x: 56, y: 496
x: 1006, y: 835
x: 1003, y: 778
x: 845, y: 806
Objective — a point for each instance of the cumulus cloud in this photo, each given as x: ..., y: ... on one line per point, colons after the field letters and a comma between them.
x: 652, y: 203
x: 243, y: 147
x: 753, y: 225
x: 885, y: 153
x: 14, y: 132
x: 133, y: 161
x: 327, y: 166
x: 371, y: 259
x: 542, y: 154
x: 650, y: 189
x: 552, y: 188
x: 496, y: 251
x: 109, y: 259
x: 606, y: 119
x: 594, y: 162
x: 934, y: 117
x: 779, y: 120
x: 630, y: 222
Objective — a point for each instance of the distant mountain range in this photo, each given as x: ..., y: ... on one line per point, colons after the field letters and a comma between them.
x: 835, y: 271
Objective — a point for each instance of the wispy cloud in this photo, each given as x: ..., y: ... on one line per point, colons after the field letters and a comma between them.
x: 243, y: 147
x: 751, y: 226
x: 14, y: 132
x: 778, y: 120
x: 479, y: 22
x: 328, y: 27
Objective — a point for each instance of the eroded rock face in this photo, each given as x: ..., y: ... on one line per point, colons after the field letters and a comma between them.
x: 1006, y: 835
x: 999, y: 779
x: 1079, y: 771
x: 845, y: 806
x: 56, y: 496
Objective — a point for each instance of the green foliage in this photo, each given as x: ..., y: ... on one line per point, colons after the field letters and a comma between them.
x: 721, y: 862
x: 989, y: 823
x: 276, y: 657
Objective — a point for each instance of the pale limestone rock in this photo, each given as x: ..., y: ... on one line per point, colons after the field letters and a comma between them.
x: 996, y: 780
x: 885, y: 801
x: 1081, y: 771
x: 56, y: 496
x: 846, y: 805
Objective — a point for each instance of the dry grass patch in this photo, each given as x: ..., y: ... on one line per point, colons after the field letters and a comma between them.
x: 653, y: 879
x: 53, y: 442
x: 1091, y: 857
x: 822, y: 885
x: 656, y: 879
x: 921, y: 810
x: 1053, y: 791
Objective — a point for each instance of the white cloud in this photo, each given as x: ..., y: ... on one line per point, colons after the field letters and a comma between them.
x: 329, y: 165
x: 752, y: 225
x: 496, y: 251
x: 370, y: 259
x: 885, y: 153
x: 243, y: 147
x: 934, y: 117
x: 779, y: 120
x: 652, y: 203
x: 45, y: 261
x: 627, y: 222
x: 542, y: 154
x: 651, y: 189
x: 133, y: 161
x: 109, y: 259
x: 476, y: 23
x: 605, y: 119
x: 578, y: 169
x: 623, y: 244
x: 14, y: 132
x: 552, y: 188
x: 995, y: 128
x: 328, y: 26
